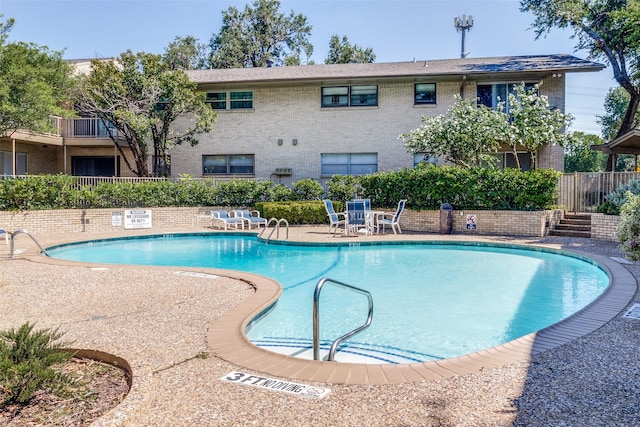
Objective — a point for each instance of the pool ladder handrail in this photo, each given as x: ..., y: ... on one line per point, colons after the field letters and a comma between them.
x: 275, y: 228
x: 316, y: 318
x: 23, y: 231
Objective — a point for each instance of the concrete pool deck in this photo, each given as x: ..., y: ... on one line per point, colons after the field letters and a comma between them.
x: 181, y: 332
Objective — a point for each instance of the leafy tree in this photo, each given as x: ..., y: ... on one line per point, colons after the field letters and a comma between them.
x: 464, y: 135
x: 185, y: 53
x: 343, y: 52
x: 256, y: 35
x: 615, y: 107
x: 34, y: 85
x: 579, y: 157
x: 532, y: 124
x: 608, y: 29
x: 141, y: 98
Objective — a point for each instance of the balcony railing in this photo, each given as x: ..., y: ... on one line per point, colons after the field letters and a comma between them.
x: 88, y: 128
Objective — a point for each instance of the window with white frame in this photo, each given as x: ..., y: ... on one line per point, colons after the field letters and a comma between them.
x: 230, y: 100
x: 424, y: 94
x: 494, y: 93
x: 350, y: 96
x: 228, y: 164
x: 348, y: 163
x: 6, y: 162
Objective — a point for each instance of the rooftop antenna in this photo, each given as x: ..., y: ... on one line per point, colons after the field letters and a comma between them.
x: 463, y: 24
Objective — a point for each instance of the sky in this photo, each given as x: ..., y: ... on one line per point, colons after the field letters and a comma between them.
x: 396, y: 30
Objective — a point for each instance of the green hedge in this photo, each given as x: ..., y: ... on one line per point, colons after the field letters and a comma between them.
x: 305, y: 212
x: 424, y: 188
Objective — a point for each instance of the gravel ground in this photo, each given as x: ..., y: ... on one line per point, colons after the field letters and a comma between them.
x: 157, y: 320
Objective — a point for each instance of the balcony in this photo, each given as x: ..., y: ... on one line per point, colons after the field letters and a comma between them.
x: 88, y: 128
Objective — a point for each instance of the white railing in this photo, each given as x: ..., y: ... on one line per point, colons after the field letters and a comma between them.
x: 88, y: 128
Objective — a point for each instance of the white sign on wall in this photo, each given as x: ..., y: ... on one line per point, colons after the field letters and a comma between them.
x: 116, y: 219
x: 137, y: 218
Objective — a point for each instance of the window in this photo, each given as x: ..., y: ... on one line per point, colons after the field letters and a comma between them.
x: 349, y: 163
x: 228, y: 164
x: 507, y: 160
x: 492, y: 94
x: 240, y: 100
x: 350, y: 96
x: 159, y: 166
x: 95, y: 166
x: 6, y: 163
x: 424, y: 94
x: 423, y: 158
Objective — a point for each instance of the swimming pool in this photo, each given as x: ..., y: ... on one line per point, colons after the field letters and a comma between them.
x: 432, y: 301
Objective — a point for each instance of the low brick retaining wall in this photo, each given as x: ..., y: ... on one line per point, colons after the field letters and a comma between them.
x: 604, y: 227
x: 516, y: 223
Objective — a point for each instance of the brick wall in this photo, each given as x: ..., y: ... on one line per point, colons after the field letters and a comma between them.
x: 101, y: 220
x: 604, y: 227
x: 508, y: 223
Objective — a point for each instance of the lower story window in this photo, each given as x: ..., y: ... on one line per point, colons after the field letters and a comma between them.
x: 160, y: 167
x: 228, y: 164
x: 507, y: 160
x: 95, y: 166
x: 349, y: 163
x: 6, y: 163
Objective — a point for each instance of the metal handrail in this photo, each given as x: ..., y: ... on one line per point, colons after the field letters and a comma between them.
x: 316, y: 318
x: 275, y: 228
x: 23, y: 231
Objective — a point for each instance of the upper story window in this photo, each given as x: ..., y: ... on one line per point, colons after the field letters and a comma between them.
x: 231, y: 100
x: 492, y: 94
x: 424, y: 94
x: 350, y: 96
x: 348, y: 163
x: 228, y: 164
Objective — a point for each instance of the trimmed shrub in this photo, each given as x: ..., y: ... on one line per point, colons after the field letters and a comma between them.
x: 298, y: 212
x: 629, y: 227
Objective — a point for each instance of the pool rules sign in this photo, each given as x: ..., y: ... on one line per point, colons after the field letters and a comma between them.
x: 137, y: 218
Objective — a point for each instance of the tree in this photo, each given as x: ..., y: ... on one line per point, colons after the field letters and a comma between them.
x: 608, y: 29
x: 579, y: 157
x: 34, y: 85
x: 464, y: 135
x: 185, y: 53
x: 256, y: 35
x: 343, y: 52
x: 532, y: 124
x: 615, y: 107
x: 142, y: 99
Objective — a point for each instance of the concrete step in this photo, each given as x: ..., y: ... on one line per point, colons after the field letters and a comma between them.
x: 573, y: 227
x: 570, y: 233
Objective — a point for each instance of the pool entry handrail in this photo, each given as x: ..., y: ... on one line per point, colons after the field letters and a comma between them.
x: 316, y: 318
x: 23, y: 231
x: 275, y: 228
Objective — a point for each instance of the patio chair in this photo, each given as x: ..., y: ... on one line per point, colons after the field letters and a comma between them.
x: 250, y: 217
x: 392, y: 218
x: 356, y: 216
x: 222, y: 218
x: 334, y: 218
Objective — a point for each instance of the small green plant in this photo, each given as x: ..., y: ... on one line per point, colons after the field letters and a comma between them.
x: 614, y: 201
x: 27, y: 363
x: 629, y: 227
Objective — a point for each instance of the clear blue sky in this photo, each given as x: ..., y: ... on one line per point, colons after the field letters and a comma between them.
x: 397, y: 30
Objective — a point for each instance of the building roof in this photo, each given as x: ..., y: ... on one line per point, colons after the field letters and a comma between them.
x: 561, y: 63
x: 628, y: 143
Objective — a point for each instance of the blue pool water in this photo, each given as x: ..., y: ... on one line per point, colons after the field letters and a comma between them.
x: 431, y: 301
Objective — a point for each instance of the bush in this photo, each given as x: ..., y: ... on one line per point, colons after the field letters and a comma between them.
x: 425, y: 187
x: 629, y: 227
x: 303, y: 212
x: 27, y: 360
x: 614, y: 201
